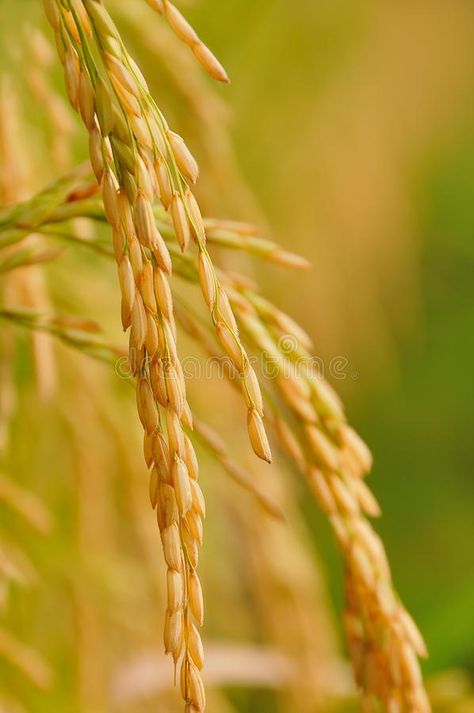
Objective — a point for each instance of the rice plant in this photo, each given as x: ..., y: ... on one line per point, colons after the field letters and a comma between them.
x: 168, y: 260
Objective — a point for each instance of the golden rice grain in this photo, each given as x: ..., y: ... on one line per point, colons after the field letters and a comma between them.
x: 128, y: 99
x: 120, y: 75
x: 153, y: 487
x: 52, y: 12
x: 258, y: 437
x: 136, y: 256
x: 161, y: 253
x: 195, y: 217
x: 180, y: 25
x: 147, y: 448
x: 180, y: 221
x: 199, y: 505
x: 290, y: 260
x: 175, y: 586
x: 146, y: 406
x: 191, y: 458
x: 182, y: 486
x: 231, y: 345
x: 104, y: 107
x: 191, y: 547
x: 86, y: 100
x: 152, y: 341
x: 95, y: 151
x: 187, y: 164
x: 188, y: 35
x: 342, y: 495
x: 196, y: 601
x: 163, y: 293
x: 210, y: 63
x: 225, y: 310
x: 413, y: 634
x: 207, y: 280
x: 141, y: 130
x: 366, y: 499
x: 195, y: 647
x: 327, y: 401
x: 138, y: 321
x: 72, y: 77
x: 164, y: 184
x: 146, y: 286
x: 410, y: 666
x: 325, y: 453
x: 252, y: 390
x: 354, y: 442
x: 127, y: 284
x: 321, y: 490
x: 194, y: 525
x: 361, y: 565
x: 169, y: 506
x: 173, y: 637
x: 118, y: 244
x: 172, y: 547
x: 158, y: 382
x: 161, y: 454
x: 144, y: 220
x: 110, y: 197
x: 195, y: 688
x: 296, y: 392
x: 175, y: 434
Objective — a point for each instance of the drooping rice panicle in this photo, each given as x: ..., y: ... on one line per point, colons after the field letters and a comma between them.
x: 136, y: 158
x: 383, y: 640
x: 172, y: 162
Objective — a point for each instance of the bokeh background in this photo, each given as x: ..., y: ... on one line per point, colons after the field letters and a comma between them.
x: 347, y: 134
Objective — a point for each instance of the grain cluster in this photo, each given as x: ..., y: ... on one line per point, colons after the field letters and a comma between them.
x: 146, y: 171
x: 137, y: 159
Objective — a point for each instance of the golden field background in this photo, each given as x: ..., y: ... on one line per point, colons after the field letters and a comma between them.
x: 347, y: 134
